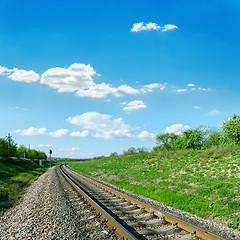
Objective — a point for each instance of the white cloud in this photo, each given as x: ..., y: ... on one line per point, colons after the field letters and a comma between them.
x: 24, y: 76
x: 84, y: 133
x: 71, y: 79
x: 102, y: 125
x: 58, y: 133
x: 4, y: 70
x: 150, y: 87
x: 181, y: 90
x: 168, y: 27
x: 45, y: 145
x: 134, y: 105
x: 32, y: 131
x: 214, y: 112
x: 127, y: 89
x: 77, y: 78
x: 97, y: 91
x: 146, y: 135
x: 20, y: 75
x: 75, y: 149
x: 141, y: 26
x: 196, y: 107
x: 176, y: 128
x: 204, y: 89
x: 192, y: 88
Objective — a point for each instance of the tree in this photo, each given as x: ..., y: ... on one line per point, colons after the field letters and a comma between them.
x: 3, y: 147
x: 168, y: 141
x: 231, y: 130
x: 192, y: 139
x: 213, y: 139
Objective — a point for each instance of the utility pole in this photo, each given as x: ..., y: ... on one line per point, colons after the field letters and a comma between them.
x: 9, y: 137
x: 50, y: 152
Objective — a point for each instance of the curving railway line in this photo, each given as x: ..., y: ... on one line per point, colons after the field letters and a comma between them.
x: 130, y: 218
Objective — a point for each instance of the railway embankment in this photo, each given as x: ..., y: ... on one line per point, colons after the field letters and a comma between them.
x: 205, y: 183
x: 15, y: 176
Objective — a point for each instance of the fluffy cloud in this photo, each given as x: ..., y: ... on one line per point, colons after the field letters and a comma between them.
x: 196, y: 107
x: 20, y: 75
x: 141, y: 26
x: 84, y: 133
x: 145, y: 135
x: 71, y: 79
x: 4, y: 70
x: 176, y: 128
x: 102, y: 125
x: 32, y: 131
x: 134, y: 105
x: 97, y: 91
x: 181, y: 90
x: 214, y: 112
x: 168, y: 27
x: 150, y: 87
x: 58, y: 133
x: 127, y: 89
x: 77, y: 78
x: 45, y: 145
x: 24, y: 76
x: 190, y: 85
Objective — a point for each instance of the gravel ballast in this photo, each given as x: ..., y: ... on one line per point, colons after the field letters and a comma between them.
x: 51, y: 209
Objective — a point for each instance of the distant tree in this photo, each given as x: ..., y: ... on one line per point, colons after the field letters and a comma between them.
x: 22, y: 148
x: 213, y: 139
x: 3, y: 147
x: 130, y: 151
x: 113, y: 154
x: 142, y: 149
x: 169, y: 141
x: 192, y: 139
x: 231, y: 130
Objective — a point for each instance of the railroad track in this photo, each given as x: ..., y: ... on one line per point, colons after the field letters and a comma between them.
x: 130, y: 218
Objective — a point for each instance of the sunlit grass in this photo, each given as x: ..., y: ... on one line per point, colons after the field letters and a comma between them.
x: 15, y: 176
x: 203, y: 182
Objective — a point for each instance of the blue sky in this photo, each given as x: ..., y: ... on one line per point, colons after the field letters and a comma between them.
x: 87, y: 78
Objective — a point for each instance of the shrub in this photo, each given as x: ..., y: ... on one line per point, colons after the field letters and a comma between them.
x: 231, y: 130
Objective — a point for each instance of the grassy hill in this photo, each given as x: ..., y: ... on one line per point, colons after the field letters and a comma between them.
x: 203, y: 182
x: 15, y: 176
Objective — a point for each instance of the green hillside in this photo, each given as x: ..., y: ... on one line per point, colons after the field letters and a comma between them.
x: 15, y: 176
x: 202, y: 182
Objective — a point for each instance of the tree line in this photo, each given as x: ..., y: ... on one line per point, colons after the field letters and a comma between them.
x: 14, y: 150
x: 201, y: 138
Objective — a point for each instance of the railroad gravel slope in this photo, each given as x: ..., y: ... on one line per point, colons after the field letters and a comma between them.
x: 51, y: 209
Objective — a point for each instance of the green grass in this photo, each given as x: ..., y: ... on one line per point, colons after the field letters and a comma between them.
x: 203, y: 182
x: 15, y: 176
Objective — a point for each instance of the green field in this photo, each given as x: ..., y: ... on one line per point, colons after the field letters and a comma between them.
x: 15, y: 176
x: 202, y: 182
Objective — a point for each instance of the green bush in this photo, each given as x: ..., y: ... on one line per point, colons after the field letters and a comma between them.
x: 231, y: 130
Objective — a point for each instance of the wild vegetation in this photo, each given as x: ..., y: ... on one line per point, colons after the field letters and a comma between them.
x: 202, y: 138
x: 197, y: 171
x: 10, y: 149
x: 16, y: 174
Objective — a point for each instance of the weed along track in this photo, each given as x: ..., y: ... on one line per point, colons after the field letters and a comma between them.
x: 130, y: 218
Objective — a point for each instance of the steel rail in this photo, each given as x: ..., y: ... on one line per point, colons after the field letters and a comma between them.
x: 181, y: 223
x: 116, y: 227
